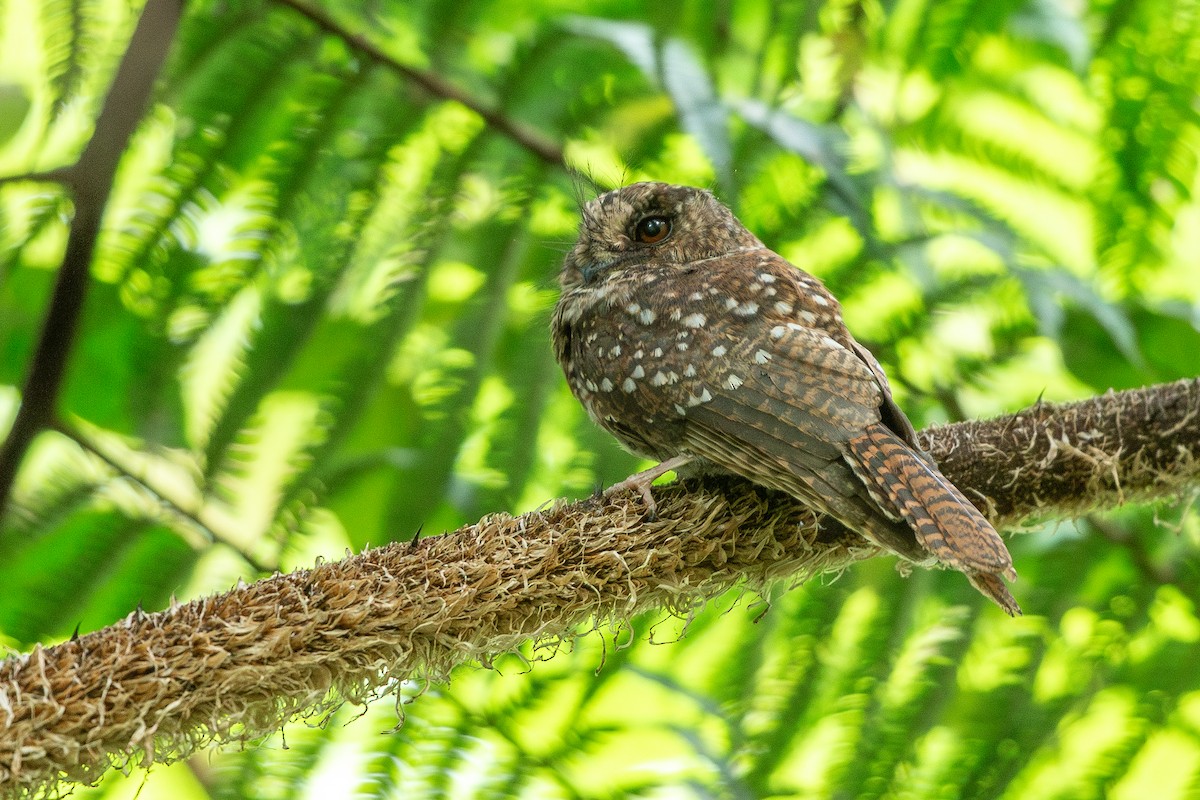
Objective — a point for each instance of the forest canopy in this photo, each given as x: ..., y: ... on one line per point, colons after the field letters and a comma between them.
x: 288, y: 297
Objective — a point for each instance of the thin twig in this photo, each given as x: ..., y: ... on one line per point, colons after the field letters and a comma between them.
x: 90, y: 180
x: 56, y: 175
x: 190, y: 515
x: 434, y: 84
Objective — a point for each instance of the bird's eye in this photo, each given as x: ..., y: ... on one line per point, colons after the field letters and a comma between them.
x: 652, y: 230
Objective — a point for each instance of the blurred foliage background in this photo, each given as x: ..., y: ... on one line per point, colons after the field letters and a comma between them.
x: 318, y: 321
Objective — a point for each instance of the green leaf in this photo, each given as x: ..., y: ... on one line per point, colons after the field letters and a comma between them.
x: 14, y: 108
x: 702, y: 113
x: 1047, y: 289
x: 634, y: 39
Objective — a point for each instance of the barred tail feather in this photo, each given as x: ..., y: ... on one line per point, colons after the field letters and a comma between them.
x: 944, y: 521
x: 994, y: 589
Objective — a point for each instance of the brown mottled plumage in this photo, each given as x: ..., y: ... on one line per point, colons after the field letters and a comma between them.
x: 692, y: 343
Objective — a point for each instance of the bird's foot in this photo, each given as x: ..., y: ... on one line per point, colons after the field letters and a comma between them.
x: 642, y: 480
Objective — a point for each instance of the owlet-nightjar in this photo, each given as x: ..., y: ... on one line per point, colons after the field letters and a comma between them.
x: 690, y: 341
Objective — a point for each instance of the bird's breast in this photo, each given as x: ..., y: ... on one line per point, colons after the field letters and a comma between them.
x: 635, y: 354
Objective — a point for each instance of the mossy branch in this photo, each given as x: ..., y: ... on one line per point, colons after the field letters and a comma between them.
x: 156, y: 687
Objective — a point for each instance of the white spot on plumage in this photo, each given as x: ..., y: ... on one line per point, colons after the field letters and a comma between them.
x: 761, y: 357
x: 819, y: 300
x: 730, y: 304
x: 766, y: 277
x: 681, y: 347
x: 808, y: 317
x: 638, y: 372
x: 783, y: 308
x: 680, y: 410
x: 690, y: 371
x: 733, y: 381
x: 614, y: 351
x: 633, y: 308
x: 778, y: 331
x: 720, y: 350
x: 591, y: 385
x: 795, y: 326
x: 694, y: 296
x: 828, y: 342
x: 638, y: 353
x: 629, y: 386
x: 746, y: 309
x: 656, y: 352
x: 695, y: 320
x: 647, y: 316
x: 606, y: 385
x: 694, y: 400
x: 771, y: 292
x: 659, y: 379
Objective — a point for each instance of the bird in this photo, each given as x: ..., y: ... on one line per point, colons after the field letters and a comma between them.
x: 698, y: 347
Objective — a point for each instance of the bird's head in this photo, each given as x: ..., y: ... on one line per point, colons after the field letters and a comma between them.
x: 651, y: 223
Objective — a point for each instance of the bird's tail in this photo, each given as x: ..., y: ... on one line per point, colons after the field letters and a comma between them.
x: 944, y: 521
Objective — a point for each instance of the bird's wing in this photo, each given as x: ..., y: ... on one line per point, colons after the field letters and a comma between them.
x: 791, y: 401
x: 786, y: 424
x: 779, y: 398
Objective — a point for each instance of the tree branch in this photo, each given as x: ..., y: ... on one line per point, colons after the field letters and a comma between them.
x: 155, y: 687
x: 1067, y: 460
x: 90, y: 180
x: 435, y: 85
x: 56, y: 175
x: 187, y: 515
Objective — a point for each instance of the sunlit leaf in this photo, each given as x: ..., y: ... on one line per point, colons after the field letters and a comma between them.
x: 318, y: 319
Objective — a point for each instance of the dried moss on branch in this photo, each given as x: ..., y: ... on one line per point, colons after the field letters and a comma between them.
x: 156, y: 687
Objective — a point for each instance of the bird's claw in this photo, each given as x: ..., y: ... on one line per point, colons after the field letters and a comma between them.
x: 643, y: 480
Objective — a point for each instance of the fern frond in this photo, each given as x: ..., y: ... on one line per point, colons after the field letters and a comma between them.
x: 70, y: 39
